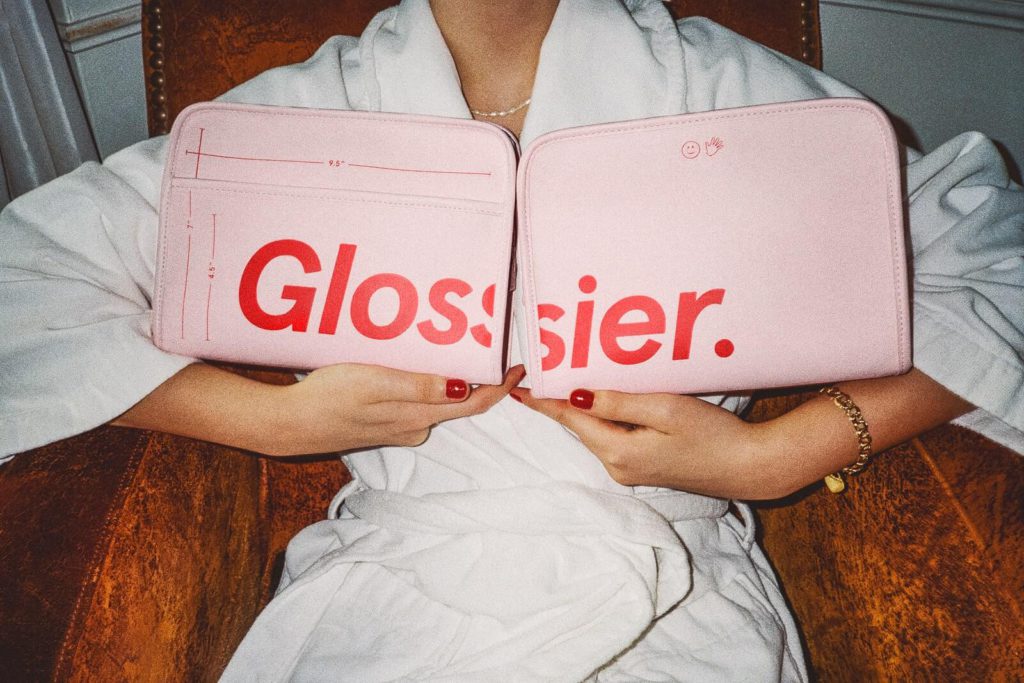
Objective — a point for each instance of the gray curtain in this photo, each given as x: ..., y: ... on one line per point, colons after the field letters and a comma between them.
x: 43, y: 129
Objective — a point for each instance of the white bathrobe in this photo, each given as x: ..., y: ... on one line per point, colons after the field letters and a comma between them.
x: 500, y: 549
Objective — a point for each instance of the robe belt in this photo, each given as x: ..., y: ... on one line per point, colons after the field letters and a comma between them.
x: 674, y: 506
x: 559, y: 508
x: 678, y: 506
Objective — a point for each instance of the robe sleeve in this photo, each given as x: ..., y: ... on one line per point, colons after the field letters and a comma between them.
x: 76, y: 277
x: 966, y: 225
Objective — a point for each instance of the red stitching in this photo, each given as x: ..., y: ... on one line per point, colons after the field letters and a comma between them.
x: 346, y: 195
x: 209, y: 293
x: 199, y: 152
x: 184, y: 294
x: 239, y: 158
x: 419, y: 170
x: 213, y: 274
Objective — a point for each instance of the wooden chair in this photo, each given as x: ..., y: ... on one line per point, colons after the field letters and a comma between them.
x: 128, y: 555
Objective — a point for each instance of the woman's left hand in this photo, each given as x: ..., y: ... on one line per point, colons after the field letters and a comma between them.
x: 666, y: 440
x: 685, y: 443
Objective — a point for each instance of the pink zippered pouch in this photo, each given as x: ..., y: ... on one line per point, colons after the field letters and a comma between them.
x: 729, y: 250
x: 736, y: 249
x: 301, y: 238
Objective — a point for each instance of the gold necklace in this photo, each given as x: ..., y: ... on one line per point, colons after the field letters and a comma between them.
x: 499, y: 114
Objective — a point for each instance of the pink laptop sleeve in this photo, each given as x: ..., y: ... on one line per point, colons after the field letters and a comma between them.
x: 729, y: 250
x: 300, y: 238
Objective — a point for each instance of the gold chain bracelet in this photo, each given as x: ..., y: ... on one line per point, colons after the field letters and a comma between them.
x: 836, y: 482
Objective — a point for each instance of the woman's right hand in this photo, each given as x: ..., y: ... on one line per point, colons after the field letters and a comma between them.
x: 336, y: 408
x: 342, y: 407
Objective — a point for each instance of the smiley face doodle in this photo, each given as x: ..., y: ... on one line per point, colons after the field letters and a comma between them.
x: 691, y: 149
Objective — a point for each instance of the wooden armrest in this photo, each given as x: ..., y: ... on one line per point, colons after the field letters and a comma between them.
x: 130, y: 555
x: 55, y: 507
x: 915, y: 572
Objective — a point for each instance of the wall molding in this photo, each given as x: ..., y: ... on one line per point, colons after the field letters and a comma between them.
x: 102, y: 28
x: 1004, y: 14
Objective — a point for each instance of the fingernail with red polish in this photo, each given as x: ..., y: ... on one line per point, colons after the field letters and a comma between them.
x: 582, y: 399
x: 456, y: 389
x: 516, y: 398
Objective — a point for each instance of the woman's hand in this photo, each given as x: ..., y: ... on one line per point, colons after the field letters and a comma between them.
x: 336, y: 408
x: 341, y: 407
x: 684, y: 443
x: 666, y: 440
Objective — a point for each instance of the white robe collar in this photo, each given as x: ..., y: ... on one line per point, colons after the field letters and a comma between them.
x: 587, y: 71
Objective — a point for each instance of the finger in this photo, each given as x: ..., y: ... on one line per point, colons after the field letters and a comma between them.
x: 595, y: 432
x: 414, y: 414
x: 619, y: 449
x: 654, y: 411
x: 484, y: 396
x: 387, y: 384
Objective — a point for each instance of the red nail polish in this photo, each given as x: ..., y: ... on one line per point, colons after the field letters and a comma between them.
x: 516, y: 398
x: 582, y: 399
x: 456, y: 389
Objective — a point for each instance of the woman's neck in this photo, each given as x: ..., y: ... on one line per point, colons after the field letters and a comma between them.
x: 496, y: 47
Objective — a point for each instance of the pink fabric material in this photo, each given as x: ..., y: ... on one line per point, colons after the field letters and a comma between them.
x: 301, y: 238
x: 735, y: 249
x: 730, y: 250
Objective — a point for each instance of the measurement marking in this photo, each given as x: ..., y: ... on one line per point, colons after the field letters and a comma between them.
x: 199, y: 152
x: 211, y: 273
x: 329, y: 188
x: 238, y: 158
x: 419, y: 170
x: 209, y: 293
x: 184, y: 294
